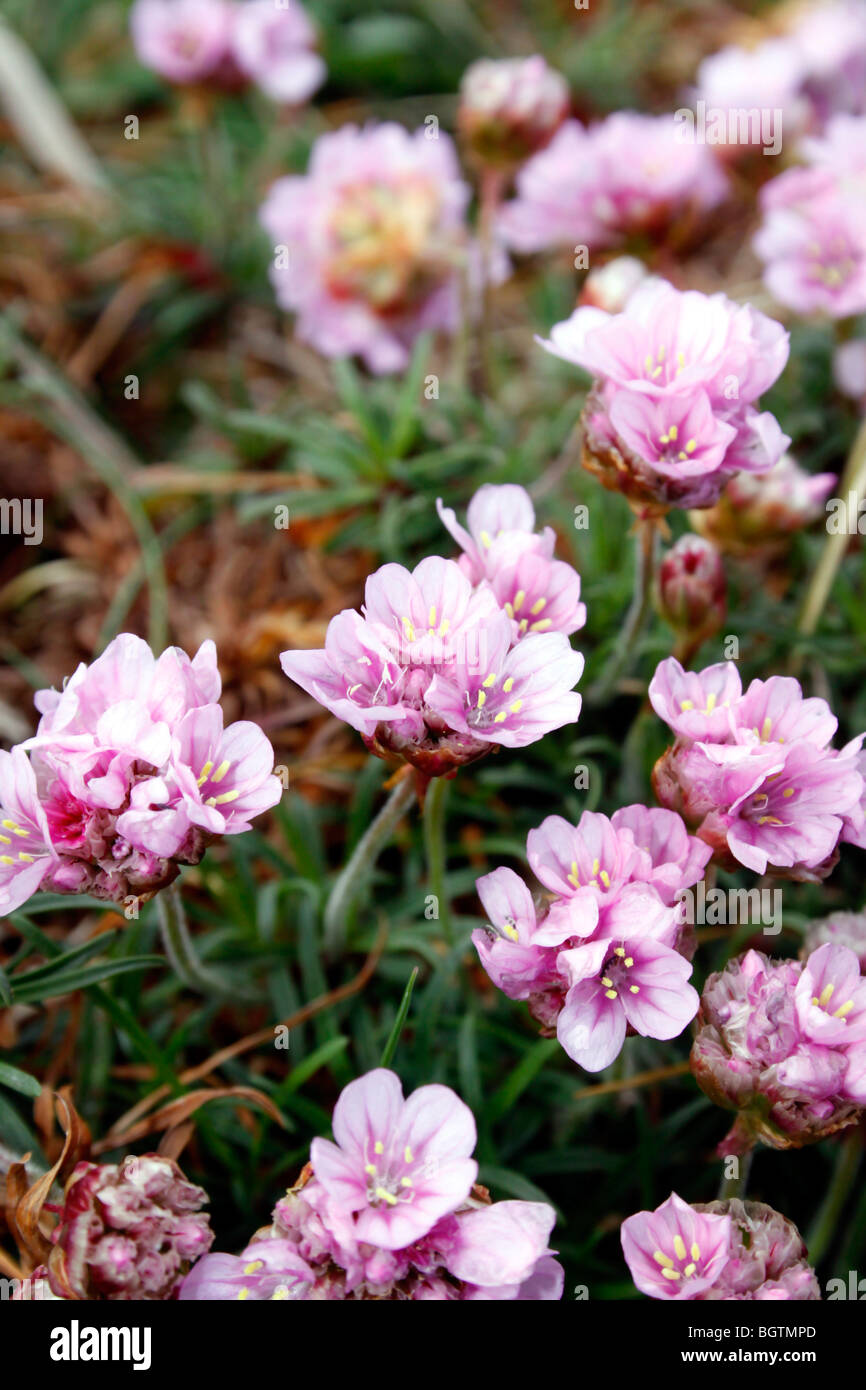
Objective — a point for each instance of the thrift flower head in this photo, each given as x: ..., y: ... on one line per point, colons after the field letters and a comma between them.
x: 274, y: 45
x: 754, y: 772
x: 127, y: 1231
x: 391, y: 1211
x: 759, y: 512
x: 509, y: 109
x: 374, y: 237
x: 839, y: 929
x: 717, y: 1251
x: 601, y: 956
x: 131, y: 774
x: 185, y: 41
x: 627, y: 175
x: 784, y: 1043
x: 457, y: 657
x: 677, y: 376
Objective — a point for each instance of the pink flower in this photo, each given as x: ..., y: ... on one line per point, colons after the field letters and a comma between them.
x: 755, y: 769
x: 675, y: 1251
x: 510, y: 108
x: 696, y: 704
x: 629, y: 174
x: 839, y: 929
x: 432, y: 673
x: 390, y: 1212
x: 183, y: 40
x: 782, y: 1055
x: 498, y: 512
x: 26, y: 851
x: 767, y: 78
x: 131, y: 774
x: 506, y: 949
x: 849, y: 369
x: 628, y: 975
x: 267, y: 1270
x: 373, y: 238
x: 726, y: 1250
x: 398, y: 1165
x: 677, y: 860
x: 127, y: 1231
x: 274, y: 46
x: 672, y: 415
x: 760, y: 511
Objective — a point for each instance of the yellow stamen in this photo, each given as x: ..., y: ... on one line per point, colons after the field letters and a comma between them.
x: 490, y: 680
x: 518, y: 600
x: 508, y: 685
x: 537, y: 606
x: 253, y: 1266
x: 844, y: 1009
x: 385, y: 1196
x: 662, y: 1259
x: 610, y: 994
x: 481, y: 699
x: 679, y: 1247
x: 221, y: 772
x: 825, y: 995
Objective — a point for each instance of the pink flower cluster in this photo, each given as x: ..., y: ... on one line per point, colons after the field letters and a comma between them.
x: 229, y: 42
x: 783, y: 1042
x: 370, y: 242
x: 131, y: 773
x: 677, y: 376
x: 510, y: 108
x: 629, y: 175
x: 602, y: 955
x: 125, y: 1231
x: 727, y: 1251
x: 755, y: 772
x: 761, y: 511
x: 815, y: 69
x: 812, y: 239
x: 391, y: 1211
x: 457, y: 657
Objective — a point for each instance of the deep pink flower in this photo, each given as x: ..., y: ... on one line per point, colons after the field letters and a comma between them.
x: 183, y: 40
x: 675, y: 1251
x: 497, y: 512
x: 373, y: 239
x: 692, y: 588
x: 274, y: 45
x: 267, y: 1270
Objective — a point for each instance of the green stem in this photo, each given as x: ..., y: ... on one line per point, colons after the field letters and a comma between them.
x: 853, y: 481
x: 179, y: 948
x: 353, y: 877
x: 736, y: 1187
x: 434, y: 843
x: 848, y: 1159
x: 623, y: 652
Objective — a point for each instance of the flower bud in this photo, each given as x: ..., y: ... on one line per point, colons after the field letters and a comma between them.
x: 127, y: 1231
x: 509, y: 109
x: 692, y: 589
x: 759, y: 512
x: 610, y: 286
x: 766, y: 1258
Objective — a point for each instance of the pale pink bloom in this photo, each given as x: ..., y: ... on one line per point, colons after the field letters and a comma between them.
x: 538, y: 594
x: 771, y: 1048
x: 183, y: 40
x: 627, y: 975
x: 761, y: 510
x: 696, y: 704
x: 586, y: 866
x: 510, y: 108
x: 397, y: 1165
x: 373, y: 237
x: 676, y: 435
x: 274, y: 45
x: 520, y: 693
x: 269, y: 1270
x: 815, y: 257
x: 839, y: 929
x: 676, y: 1251
x: 628, y: 174
x: 767, y: 1257
x: 677, y: 859
x: 767, y: 78
x: 514, y: 961
x: 831, y: 43
x: 497, y: 512
x: 431, y: 616
x: 26, y: 851
x: 849, y: 369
